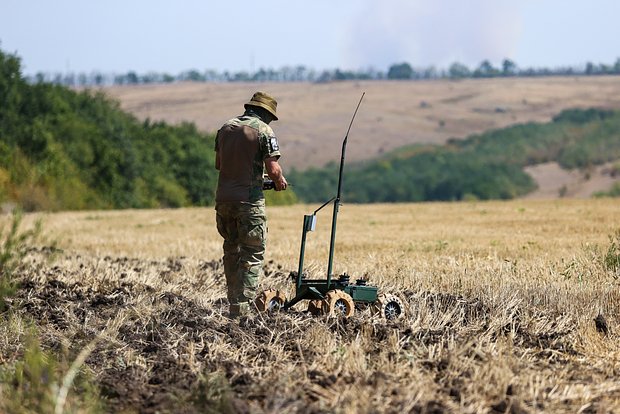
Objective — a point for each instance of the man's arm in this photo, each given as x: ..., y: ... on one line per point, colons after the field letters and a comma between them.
x: 274, y: 171
x: 217, y: 160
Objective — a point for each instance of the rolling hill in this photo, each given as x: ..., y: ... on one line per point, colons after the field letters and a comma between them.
x: 314, y: 117
x: 140, y: 146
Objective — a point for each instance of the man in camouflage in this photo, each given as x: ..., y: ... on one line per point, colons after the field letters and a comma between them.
x: 246, y: 148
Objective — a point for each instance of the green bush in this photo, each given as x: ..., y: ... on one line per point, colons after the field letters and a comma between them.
x: 13, y: 248
x: 438, y: 175
x: 583, y: 116
x: 213, y: 394
x: 62, y: 149
x: 614, y: 191
x: 482, y: 166
x: 280, y: 198
x: 612, y: 256
x: 32, y: 383
x: 36, y: 381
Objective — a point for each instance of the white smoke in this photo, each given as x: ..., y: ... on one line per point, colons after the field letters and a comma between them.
x: 432, y: 32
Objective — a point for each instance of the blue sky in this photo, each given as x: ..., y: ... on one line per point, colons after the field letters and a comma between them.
x: 173, y: 36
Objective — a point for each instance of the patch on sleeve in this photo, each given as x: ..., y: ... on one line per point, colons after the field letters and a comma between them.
x: 273, y: 144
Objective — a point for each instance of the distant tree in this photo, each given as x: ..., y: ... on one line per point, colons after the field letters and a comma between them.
x: 212, y: 75
x: 429, y: 73
x: 301, y: 73
x: 289, y: 73
x: 132, y: 77
x: 98, y: 79
x: 458, y: 71
x: 69, y: 79
x: 325, y: 76
x: 400, y: 71
x: 192, y: 75
x: 82, y: 79
x: 509, y: 68
x: 485, y: 70
x: 241, y: 77
x: 150, y: 77
x: 345, y: 75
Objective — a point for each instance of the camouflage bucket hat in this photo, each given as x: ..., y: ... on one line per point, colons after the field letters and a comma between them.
x: 264, y: 100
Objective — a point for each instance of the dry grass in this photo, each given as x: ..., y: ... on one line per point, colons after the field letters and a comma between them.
x: 314, y: 117
x: 501, y: 300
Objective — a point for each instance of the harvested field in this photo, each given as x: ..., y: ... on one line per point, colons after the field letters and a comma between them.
x: 501, y: 301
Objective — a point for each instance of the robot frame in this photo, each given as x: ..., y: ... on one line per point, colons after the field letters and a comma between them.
x: 330, y: 296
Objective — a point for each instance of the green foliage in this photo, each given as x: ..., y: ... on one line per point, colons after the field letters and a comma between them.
x: 280, y: 198
x: 437, y: 175
x: 613, y: 192
x: 612, y: 257
x: 400, y: 71
x: 485, y: 166
x: 486, y: 70
x: 31, y: 384
x: 13, y: 247
x: 459, y: 71
x: 62, y: 149
x: 583, y: 116
x: 575, y: 139
x: 509, y: 68
x: 28, y: 386
x: 213, y: 394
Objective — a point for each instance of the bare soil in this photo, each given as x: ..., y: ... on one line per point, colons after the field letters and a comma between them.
x: 554, y: 181
x: 173, y: 354
x: 510, y: 307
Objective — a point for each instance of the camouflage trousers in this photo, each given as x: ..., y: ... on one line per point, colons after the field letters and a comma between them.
x: 244, y: 229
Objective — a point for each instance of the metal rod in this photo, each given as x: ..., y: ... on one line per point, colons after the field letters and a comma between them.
x: 324, y: 204
x: 300, y: 270
x: 332, y: 242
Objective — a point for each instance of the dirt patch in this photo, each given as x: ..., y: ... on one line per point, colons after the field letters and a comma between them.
x: 170, y: 353
x: 555, y: 182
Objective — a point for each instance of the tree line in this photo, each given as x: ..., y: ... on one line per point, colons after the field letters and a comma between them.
x: 484, y: 166
x: 63, y: 149
x: 301, y: 73
x: 67, y: 149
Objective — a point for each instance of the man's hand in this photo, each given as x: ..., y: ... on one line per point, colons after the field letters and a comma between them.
x: 281, y: 184
x: 274, y: 171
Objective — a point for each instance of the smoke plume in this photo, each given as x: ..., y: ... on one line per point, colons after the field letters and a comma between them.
x: 438, y: 32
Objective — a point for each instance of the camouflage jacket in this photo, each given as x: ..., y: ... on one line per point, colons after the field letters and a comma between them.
x: 242, y: 144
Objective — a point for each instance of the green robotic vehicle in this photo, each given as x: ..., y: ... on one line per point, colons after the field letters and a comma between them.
x: 331, y: 296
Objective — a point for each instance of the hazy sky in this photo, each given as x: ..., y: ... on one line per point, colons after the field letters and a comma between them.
x: 173, y: 36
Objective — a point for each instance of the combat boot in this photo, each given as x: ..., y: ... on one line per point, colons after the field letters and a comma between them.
x: 238, y: 310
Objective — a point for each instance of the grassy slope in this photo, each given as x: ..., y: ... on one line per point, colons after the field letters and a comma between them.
x: 394, y: 114
x: 314, y: 117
